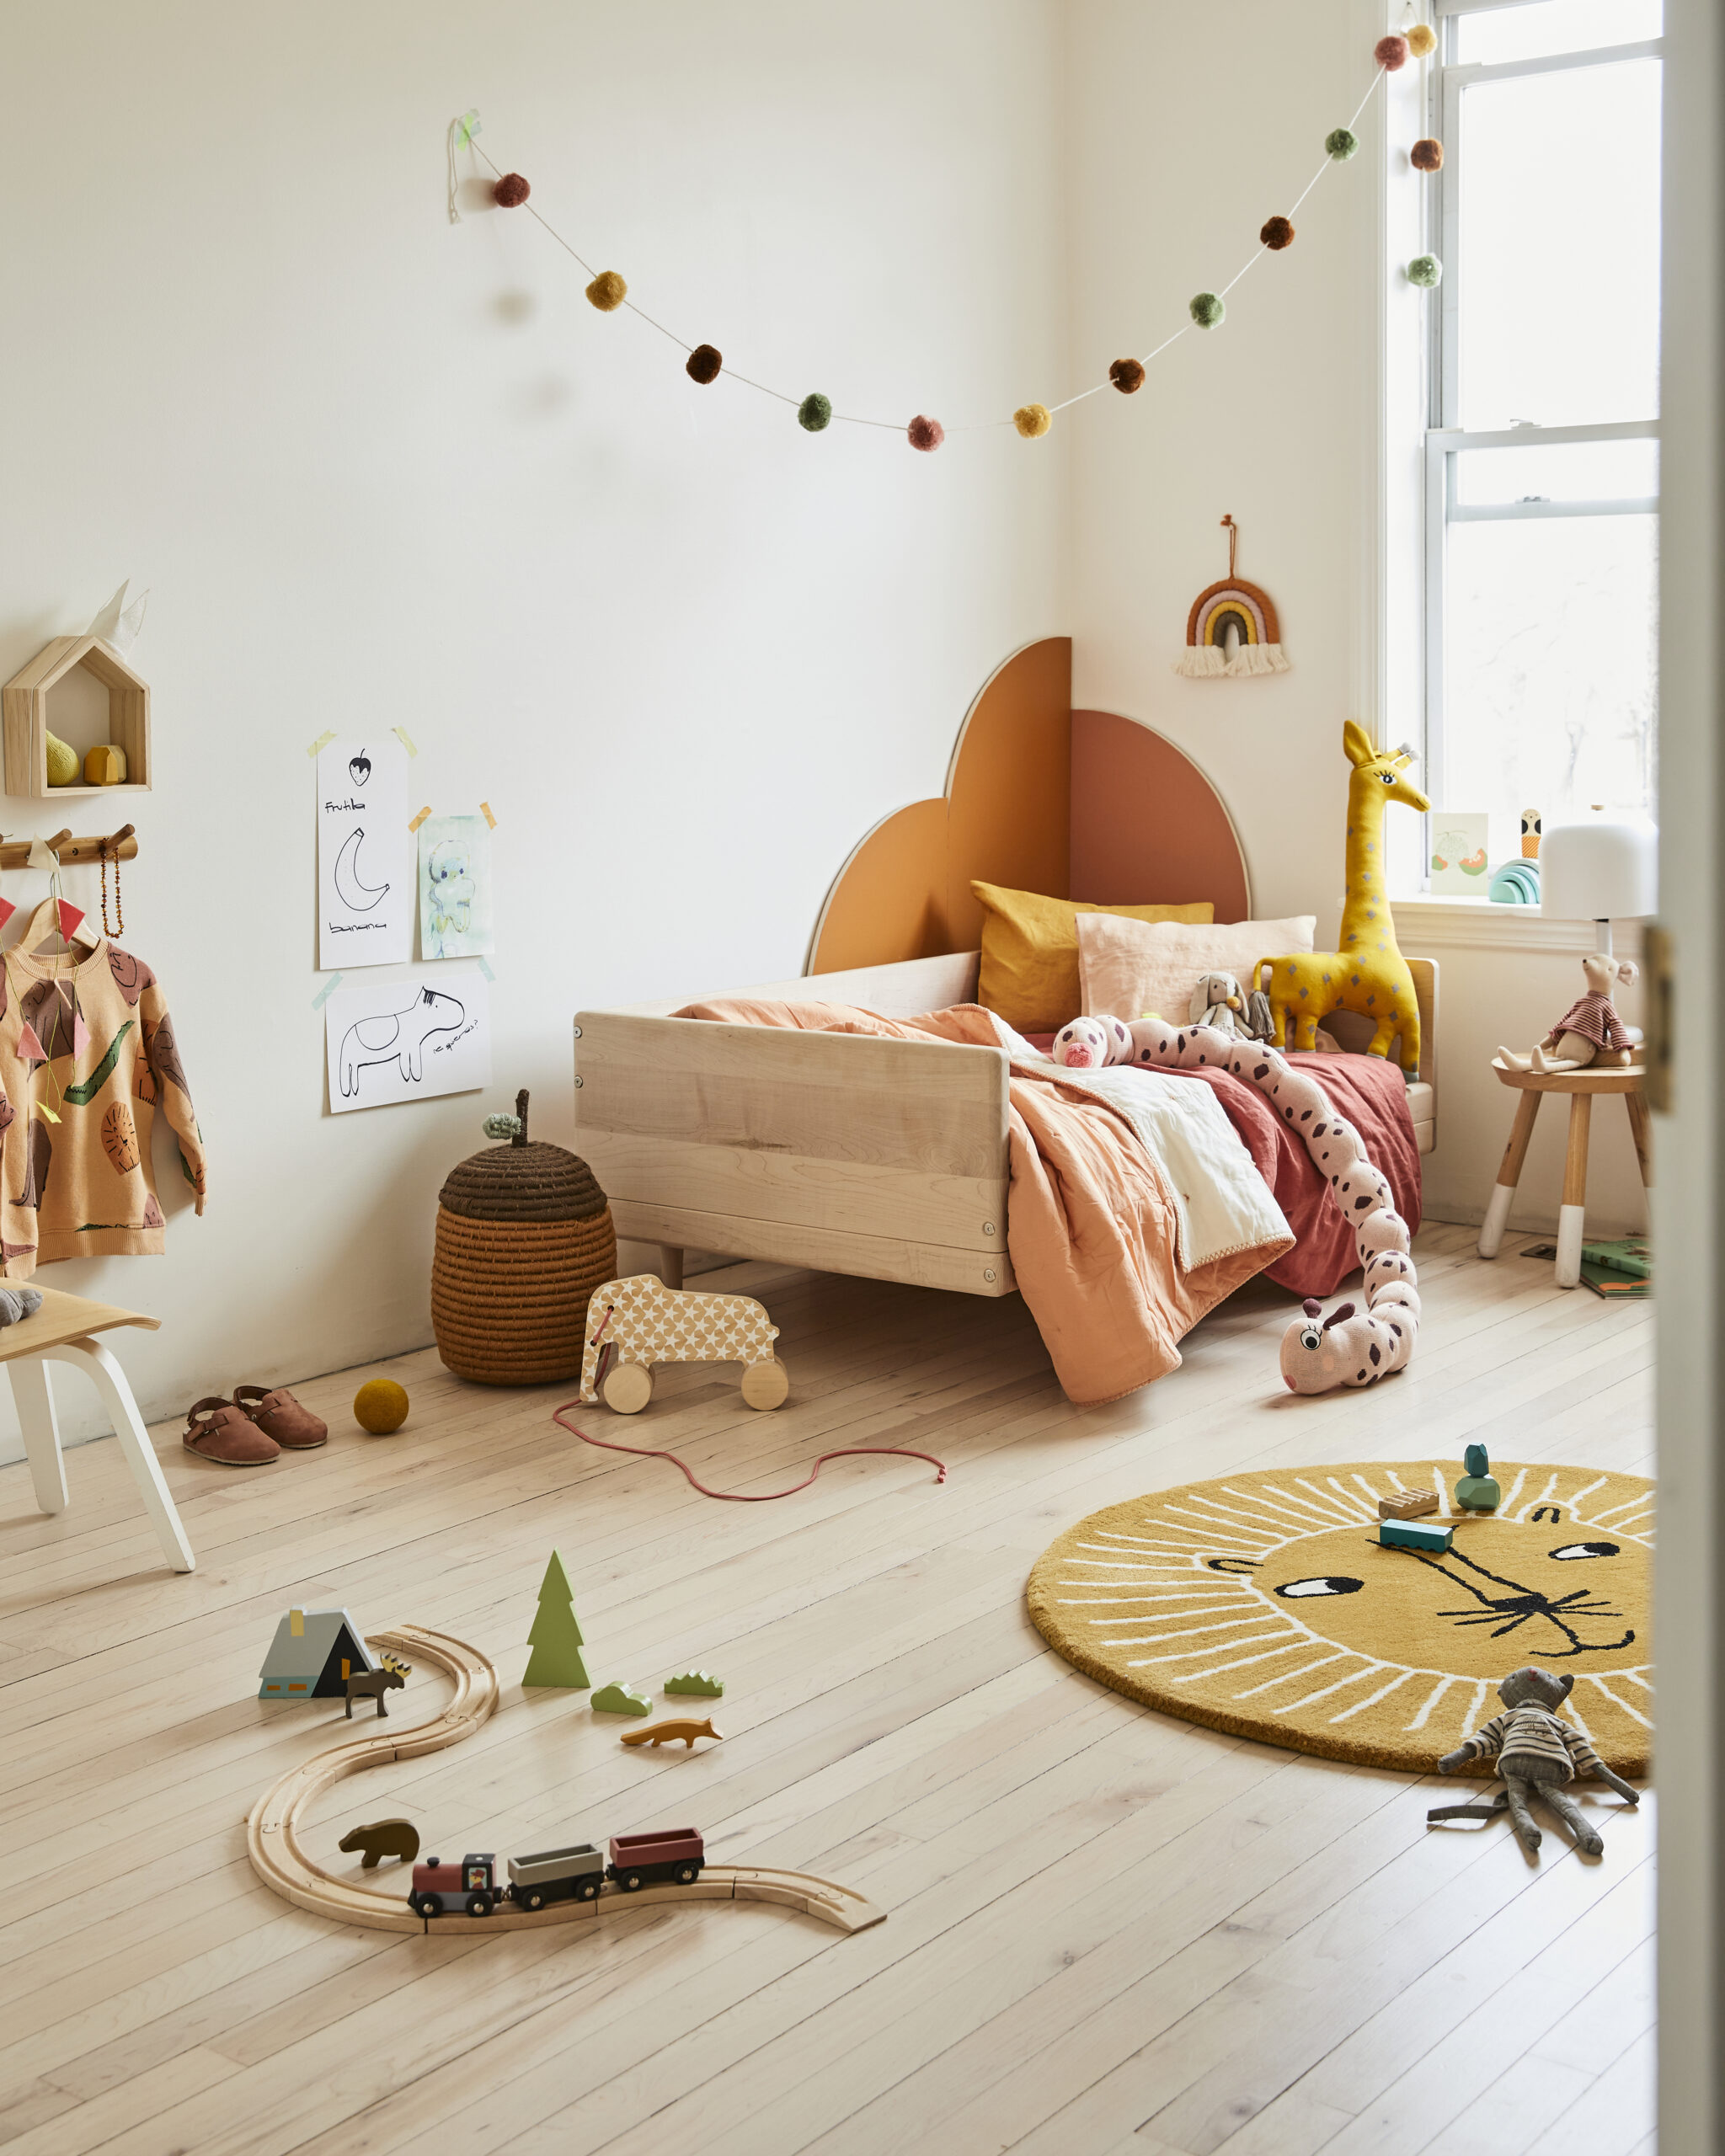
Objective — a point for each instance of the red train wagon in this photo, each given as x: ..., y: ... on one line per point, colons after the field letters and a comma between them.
x: 670, y: 1853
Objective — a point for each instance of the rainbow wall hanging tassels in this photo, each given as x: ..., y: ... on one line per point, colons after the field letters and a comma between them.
x: 1232, y: 610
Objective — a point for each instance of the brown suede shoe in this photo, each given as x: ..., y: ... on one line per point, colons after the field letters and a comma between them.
x: 215, y: 1429
x: 279, y: 1416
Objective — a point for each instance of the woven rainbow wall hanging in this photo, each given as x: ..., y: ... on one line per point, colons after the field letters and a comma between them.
x: 1231, y: 613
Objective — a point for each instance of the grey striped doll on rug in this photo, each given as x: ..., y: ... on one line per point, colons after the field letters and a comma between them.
x: 1537, y: 1754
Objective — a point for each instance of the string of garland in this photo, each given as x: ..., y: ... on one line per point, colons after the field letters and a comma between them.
x: 608, y: 290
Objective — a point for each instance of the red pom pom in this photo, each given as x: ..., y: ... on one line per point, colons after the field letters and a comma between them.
x: 1390, y: 52
x: 704, y: 363
x: 1277, y: 233
x: 926, y: 433
x: 1126, y: 376
x: 512, y: 191
x: 1427, y: 155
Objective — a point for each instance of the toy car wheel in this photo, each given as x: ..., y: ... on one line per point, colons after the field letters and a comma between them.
x: 533, y: 1899
x: 766, y: 1385
x: 588, y: 1891
x: 630, y: 1883
x: 628, y: 1388
x: 426, y: 1905
x: 479, y: 1905
x: 687, y: 1874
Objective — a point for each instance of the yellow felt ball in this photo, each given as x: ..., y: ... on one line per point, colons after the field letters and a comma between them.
x: 608, y: 290
x: 65, y: 766
x: 1422, y: 38
x: 1032, y: 420
x: 380, y: 1405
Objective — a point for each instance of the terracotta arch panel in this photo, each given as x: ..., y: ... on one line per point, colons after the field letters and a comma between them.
x: 1148, y: 827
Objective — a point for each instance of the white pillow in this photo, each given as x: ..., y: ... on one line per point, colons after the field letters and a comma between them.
x: 1126, y: 967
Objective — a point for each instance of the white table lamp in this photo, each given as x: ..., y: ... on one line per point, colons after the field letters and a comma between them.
x: 1602, y: 869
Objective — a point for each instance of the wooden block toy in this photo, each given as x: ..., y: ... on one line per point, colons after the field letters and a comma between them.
x: 372, y: 1683
x: 1476, y: 1492
x: 1410, y: 1505
x: 633, y: 1324
x: 621, y: 1698
x: 669, y: 1732
x: 702, y: 1682
x: 383, y: 1837
x: 555, y: 1635
x: 1408, y: 1534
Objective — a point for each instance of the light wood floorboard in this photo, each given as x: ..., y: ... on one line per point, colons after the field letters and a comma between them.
x: 1109, y: 1930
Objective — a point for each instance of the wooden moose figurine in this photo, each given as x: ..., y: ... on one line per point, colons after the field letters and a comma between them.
x: 372, y: 1683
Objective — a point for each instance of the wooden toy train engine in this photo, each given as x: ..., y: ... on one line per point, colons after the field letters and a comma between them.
x: 669, y: 1856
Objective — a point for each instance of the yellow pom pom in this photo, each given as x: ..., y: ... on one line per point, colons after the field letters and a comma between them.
x: 608, y: 290
x: 65, y: 765
x: 1422, y: 38
x: 380, y: 1405
x: 1032, y: 420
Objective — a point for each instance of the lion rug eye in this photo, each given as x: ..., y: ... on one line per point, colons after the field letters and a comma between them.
x: 1573, y: 1550
x: 1325, y: 1583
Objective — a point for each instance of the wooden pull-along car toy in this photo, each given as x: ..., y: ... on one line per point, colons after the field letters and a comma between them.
x: 634, y: 1323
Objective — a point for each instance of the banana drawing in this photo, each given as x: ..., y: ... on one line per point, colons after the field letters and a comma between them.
x: 352, y: 893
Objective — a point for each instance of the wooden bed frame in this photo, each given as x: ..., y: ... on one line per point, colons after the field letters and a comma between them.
x: 882, y: 1158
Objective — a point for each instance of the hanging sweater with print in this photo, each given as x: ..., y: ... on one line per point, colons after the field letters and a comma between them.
x: 86, y: 1056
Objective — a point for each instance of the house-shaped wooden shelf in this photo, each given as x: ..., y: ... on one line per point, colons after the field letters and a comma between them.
x: 26, y: 716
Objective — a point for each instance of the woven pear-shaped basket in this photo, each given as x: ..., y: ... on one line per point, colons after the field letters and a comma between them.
x: 524, y: 1237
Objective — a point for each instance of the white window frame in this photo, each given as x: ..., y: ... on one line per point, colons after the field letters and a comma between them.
x: 1446, y: 437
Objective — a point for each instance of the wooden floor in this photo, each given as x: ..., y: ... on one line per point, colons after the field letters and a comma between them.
x: 1108, y: 1931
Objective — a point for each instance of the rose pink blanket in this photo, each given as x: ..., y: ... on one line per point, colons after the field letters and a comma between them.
x: 1092, y: 1227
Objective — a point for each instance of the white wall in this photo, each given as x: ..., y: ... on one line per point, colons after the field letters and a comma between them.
x: 380, y: 471
x: 1189, y: 126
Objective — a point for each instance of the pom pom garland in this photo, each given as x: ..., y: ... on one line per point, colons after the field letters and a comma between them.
x: 1427, y: 154
x: 1341, y: 142
x: 1206, y: 309
x: 704, y: 363
x: 510, y: 191
x: 1422, y: 38
x: 1390, y: 53
x: 607, y: 291
x: 1032, y: 420
x: 814, y: 412
x: 1425, y: 271
x: 1277, y: 233
x: 924, y: 433
x: 1126, y: 376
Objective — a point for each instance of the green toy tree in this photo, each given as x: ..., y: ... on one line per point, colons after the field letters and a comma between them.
x: 556, y: 1637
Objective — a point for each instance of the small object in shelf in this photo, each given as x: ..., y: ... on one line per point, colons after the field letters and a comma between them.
x: 380, y: 1406
x: 704, y: 363
x: 63, y: 767
x: 512, y: 191
x: 1427, y: 154
x: 1531, y: 826
x: 1477, y: 1490
x: 1413, y: 1505
x: 1278, y: 232
x: 105, y: 765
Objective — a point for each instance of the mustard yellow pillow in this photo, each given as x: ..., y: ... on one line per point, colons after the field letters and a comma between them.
x: 1030, y: 974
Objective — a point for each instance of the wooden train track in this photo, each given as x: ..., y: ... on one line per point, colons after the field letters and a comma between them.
x: 282, y: 1862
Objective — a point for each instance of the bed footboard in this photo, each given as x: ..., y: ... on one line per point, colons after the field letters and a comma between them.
x: 852, y: 1154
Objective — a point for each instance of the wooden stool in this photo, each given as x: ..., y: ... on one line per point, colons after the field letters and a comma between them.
x: 1581, y: 1085
x: 62, y: 1331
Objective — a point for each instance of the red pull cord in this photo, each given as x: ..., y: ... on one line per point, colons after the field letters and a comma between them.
x: 738, y: 1497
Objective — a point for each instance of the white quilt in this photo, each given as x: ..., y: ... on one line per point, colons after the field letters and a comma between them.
x: 1221, y: 1201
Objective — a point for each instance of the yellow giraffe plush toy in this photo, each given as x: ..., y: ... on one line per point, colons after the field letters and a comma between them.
x: 1369, y: 974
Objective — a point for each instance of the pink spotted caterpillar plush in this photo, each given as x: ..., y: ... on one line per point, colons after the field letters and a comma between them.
x: 1351, y: 1346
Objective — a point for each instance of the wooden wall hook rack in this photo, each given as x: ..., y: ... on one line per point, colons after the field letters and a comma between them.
x: 122, y: 846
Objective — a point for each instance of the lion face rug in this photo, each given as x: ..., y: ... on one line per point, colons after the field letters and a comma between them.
x: 1263, y: 1604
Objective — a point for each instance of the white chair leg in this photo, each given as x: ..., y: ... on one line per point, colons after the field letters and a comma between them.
x: 1570, y: 1219
x: 110, y: 1382
x: 41, y: 1433
x: 1491, y: 1234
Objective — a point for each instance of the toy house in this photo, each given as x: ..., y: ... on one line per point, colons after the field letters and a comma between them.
x: 311, y: 1657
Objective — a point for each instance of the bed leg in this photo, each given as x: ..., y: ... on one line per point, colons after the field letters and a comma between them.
x: 670, y: 1264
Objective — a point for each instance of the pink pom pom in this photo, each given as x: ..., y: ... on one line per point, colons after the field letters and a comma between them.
x: 1390, y: 52
x: 925, y: 433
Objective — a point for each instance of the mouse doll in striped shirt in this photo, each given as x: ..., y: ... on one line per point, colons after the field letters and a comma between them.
x: 1537, y: 1754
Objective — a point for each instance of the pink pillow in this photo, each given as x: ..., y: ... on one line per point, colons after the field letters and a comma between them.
x: 1127, y: 968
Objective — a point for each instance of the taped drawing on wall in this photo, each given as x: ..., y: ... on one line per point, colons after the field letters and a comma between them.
x: 455, y: 887
x: 409, y: 1039
x: 365, y: 858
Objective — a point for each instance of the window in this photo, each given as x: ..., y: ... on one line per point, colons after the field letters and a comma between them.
x: 1542, y: 472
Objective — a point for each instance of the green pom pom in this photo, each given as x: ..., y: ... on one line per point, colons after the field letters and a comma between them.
x: 1341, y: 142
x: 814, y: 412
x: 1207, y: 310
x: 1425, y: 271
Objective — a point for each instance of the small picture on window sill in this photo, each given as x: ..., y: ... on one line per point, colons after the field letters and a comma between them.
x: 1458, y: 856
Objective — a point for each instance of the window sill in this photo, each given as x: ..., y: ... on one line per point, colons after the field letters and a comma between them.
x: 1480, y: 924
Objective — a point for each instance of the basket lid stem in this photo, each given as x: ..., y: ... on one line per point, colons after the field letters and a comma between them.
x: 520, y: 1136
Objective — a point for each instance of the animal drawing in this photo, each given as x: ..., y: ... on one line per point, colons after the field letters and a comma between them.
x: 1369, y: 974
x: 383, y: 1837
x: 398, y: 1037
x: 668, y: 1732
x: 389, y: 1676
x: 451, y: 891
